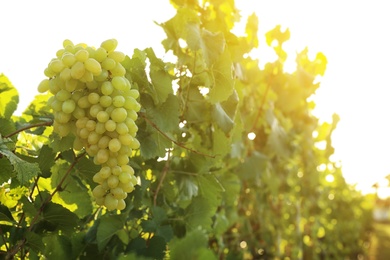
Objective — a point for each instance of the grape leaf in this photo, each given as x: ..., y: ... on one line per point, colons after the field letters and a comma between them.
x: 9, y: 97
x: 199, y: 213
x: 34, y: 241
x: 6, y: 126
x: 189, y: 247
x: 25, y: 171
x: 211, y: 44
x: 46, y: 160
x: 224, y: 113
x: 57, y: 247
x: 62, y: 218
x: 223, y: 78
x: 108, y: 227
x: 6, y: 170
x: 161, y: 80
x: 165, y: 115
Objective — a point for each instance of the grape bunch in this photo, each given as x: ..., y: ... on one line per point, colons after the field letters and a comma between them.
x: 93, y: 100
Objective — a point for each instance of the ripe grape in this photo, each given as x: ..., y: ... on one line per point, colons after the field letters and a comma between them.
x: 94, y: 102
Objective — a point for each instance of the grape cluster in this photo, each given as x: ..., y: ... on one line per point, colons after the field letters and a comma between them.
x: 93, y: 100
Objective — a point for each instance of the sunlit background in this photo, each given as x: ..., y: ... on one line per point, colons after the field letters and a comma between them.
x: 354, y: 37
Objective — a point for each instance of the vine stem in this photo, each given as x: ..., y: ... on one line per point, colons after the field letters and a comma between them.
x: 164, y: 174
x: 173, y: 141
x: 40, y: 210
x: 28, y: 127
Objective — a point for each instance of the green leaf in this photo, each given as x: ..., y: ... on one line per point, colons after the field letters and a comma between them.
x: 223, y: 79
x: 212, y: 45
x: 251, y: 30
x: 210, y: 188
x: 5, y: 215
x: 57, y: 247
x: 34, y: 241
x: 61, y: 144
x: 86, y: 169
x: 223, y: 114
x: 6, y: 126
x: 6, y: 170
x: 25, y: 170
x: 161, y: 80
x: 153, y: 144
x: 9, y: 97
x: 199, y: 213
x: 165, y: 115
x: 62, y: 218
x: 46, y: 160
x: 190, y: 247
x: 108, y: 227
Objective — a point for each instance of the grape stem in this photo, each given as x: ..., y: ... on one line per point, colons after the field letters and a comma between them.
x: 170, y: 139
x: 28, y: 127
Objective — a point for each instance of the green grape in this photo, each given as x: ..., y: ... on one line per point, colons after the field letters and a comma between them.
x: 87, y: 77
x: 103, y: 142
x: 134, y: 93
x: 95, y: 109
x: 68, y: 106
x: 121, y: 128
x: 105, y: 101
x: 119, y: 70
x: 78, y: 145
x: 135, y: 144
x: 132, y: 104
x: 67, y: 43
x: 116, y: 170
x: 93, y: 66
x: 116, y: 56
x: 102, y: 76
x: 119, y: 83
x: 68, y: 59
x: 110, y: 202
x: 97, y: 178
x: 92, y: 150
x: 93, y: 137
x: 61, y: 129
x: 127, y: 187
x: 105, y: 172
x: 100, y: 128
x: 56, y: 105
x: 118, y: 101
x: 100, y: 54
x: 102, y: 156
x: 56, y: 66
x: 63, y: 95
x: 78, y: 113
x: 62, y: 117
x: 44, y: 86
x: 93, y: 98
x: 107, y: 88
x: 65, y: 74
x: 100, y: 201
x: 81, y: 55
x: 99, y: 191
x: 132, y: 115
x: 124, y: 177
x: 123, y: 159
x: 126, y: 139
x: 112, y: 162
x: 121, y: 204
x: 127, y: 168
x: 118, y: 193
x: 90, y: 125
x: 119, y: 114
x: 109, y: 45
x: 113, y: 181
x: 83, y: 102
x: 92, y: 85
x: 77, y: 70
x: 108, y: 64
x: 110, y: 125
x: 102, y: 116
x: 114, y: 145
x: 83, y: 133
x: 70, y: 84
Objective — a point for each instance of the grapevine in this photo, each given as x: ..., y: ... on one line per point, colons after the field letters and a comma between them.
x: 94, y: 101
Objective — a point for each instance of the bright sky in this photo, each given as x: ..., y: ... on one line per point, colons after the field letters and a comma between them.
x: 353, y: 36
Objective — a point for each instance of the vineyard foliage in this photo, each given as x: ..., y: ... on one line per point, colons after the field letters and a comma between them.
x: 232, y: 163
